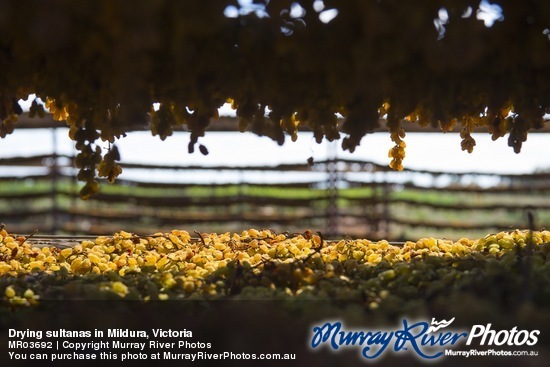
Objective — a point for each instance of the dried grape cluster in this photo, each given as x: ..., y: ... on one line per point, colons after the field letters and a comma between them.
x: 260, y: 264
x: 101, y: 65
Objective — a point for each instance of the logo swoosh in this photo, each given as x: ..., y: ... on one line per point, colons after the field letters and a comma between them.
x: 439, y: 325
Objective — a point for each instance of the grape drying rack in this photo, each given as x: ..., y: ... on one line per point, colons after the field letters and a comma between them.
x: 64, y: 241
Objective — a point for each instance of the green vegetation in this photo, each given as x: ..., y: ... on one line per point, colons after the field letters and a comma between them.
x: 409, y: 212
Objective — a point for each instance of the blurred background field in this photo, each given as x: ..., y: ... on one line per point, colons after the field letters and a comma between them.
x: 310, y: 186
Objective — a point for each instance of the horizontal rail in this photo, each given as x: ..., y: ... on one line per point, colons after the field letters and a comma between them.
x: 345, y: 165
x: 524, y: 188
x: 443, y: 206
x: 231, y: 124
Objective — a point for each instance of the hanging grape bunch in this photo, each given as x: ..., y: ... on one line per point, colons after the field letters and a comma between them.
x: 101, y: 65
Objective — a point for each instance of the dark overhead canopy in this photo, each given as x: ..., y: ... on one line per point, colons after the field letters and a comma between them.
x: 101, y: 65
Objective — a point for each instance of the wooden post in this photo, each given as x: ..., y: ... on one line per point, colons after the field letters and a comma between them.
x: 54, y: 183
x: 332, y: 190
x: 386, y: 206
